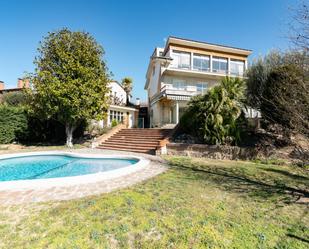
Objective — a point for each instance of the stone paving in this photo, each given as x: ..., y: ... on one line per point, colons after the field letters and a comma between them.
x: 155, y: 167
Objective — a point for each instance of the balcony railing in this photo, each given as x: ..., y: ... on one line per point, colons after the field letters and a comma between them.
x: 185, y: 91
x: 207, y: 70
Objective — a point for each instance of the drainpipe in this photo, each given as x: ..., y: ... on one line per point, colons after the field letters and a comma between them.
x: 177, y: 112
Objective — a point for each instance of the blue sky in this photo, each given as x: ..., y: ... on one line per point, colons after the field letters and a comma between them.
x: 130, y: 30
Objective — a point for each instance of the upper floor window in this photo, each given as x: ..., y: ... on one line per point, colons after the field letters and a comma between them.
x: 201, y: 62
x: 237, y: 67
x: 181, y: 59
x: 202, y: 87
x: 219, y: 64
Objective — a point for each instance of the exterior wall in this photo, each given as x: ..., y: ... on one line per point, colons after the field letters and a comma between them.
x: 117, y: 90
x: 154, y: 80
x: 155, y: 115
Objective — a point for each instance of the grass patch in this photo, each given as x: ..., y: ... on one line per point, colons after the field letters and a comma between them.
x: 198, y: 203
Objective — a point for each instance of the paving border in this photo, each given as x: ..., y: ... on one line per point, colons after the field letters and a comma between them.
x: 155, y: 167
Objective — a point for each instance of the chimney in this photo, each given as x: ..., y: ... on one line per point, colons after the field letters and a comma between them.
x: 1, y: 85
x: 137, y: 102
x: 23, y: 83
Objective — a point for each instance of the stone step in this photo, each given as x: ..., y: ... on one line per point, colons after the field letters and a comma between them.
x: 131, y: 145
x: 135, y: 141
x: 127, y: 149
x: 138, y: 137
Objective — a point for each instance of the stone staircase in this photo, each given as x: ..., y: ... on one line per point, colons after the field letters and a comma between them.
x: 136, y: 140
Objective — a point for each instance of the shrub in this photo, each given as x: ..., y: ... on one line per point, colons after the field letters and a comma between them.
x: 114, y: 123
x: 13, y: 123
x: 14, y: 98
x: 213, y: 117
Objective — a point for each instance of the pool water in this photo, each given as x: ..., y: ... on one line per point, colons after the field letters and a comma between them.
x: 52, y: 166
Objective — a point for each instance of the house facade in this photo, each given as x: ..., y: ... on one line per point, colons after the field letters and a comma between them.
x: 118, y: 109
x: 185, y: 68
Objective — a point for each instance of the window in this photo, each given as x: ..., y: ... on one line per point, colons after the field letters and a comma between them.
x: 219, y: 64
x: 201, y: 62
x: 202, y: 87
x: 179, y: 84
x: 181, y: 59
x: 237, y: 67
x: 119, y: 116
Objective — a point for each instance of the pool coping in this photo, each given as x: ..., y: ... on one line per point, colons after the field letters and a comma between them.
x: 47, y: 183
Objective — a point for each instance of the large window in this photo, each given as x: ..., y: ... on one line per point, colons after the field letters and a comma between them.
x: 116, y: 115
x: 219, y: 64
x: 237, y: 67
x: 181, y: 59
x: 201, y: 87
x: 201, y: 62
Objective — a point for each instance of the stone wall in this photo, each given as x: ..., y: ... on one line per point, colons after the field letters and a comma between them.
x: 212, y: 151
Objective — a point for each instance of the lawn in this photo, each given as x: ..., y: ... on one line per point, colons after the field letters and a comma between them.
x: 197, y: 203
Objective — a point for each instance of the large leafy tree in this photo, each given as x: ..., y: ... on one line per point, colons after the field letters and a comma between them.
x: 70, y: 80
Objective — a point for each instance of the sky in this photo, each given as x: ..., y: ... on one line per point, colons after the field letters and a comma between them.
x: 130, y: 30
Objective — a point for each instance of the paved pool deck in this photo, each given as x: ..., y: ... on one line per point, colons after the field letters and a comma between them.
x: 154, y: 168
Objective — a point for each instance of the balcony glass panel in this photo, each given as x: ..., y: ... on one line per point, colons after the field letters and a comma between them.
x: 201, y: 62
x: 179, y: 84
x: 181, y: 60
x: 202, y: 87
x: 237, y: 67
x: 219, y: 64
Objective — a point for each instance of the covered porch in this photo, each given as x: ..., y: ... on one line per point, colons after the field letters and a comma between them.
x: 171, y: 111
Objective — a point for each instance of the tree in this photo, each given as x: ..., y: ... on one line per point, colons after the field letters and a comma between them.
x: 215, y: 114
x: 299, y: 27
x: 285, y: 99
x: 70, y: 80
x: 127, y: 83
x: 260, y: 69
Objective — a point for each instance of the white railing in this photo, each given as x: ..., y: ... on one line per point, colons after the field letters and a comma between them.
x: 186, y: 91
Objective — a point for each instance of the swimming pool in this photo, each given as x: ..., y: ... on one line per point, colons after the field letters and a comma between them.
x: 38, y: 170
x: 52, y: 166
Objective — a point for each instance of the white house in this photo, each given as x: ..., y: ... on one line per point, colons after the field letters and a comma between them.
x: 184, y: 68
x: 118, y: 109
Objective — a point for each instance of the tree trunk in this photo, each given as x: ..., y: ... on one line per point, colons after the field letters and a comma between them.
x: 69, y: 129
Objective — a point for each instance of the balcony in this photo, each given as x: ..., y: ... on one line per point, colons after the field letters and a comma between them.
x: 195, y: 64
x: 186, y: 92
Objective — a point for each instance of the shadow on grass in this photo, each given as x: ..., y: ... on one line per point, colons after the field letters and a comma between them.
x: 288, y: 174
x: 254, y: 185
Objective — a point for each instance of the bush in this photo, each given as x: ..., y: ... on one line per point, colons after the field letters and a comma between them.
x: 13, y: 124
x: 213, y: 117
x: 14, y: 98
x: 114, y: 123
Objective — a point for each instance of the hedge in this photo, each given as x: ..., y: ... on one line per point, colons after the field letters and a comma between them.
x: 13, y: 123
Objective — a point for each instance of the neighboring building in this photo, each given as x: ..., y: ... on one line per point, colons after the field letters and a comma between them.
x: 21, y: 84
x: 184, y: 68
x: 118, y: 109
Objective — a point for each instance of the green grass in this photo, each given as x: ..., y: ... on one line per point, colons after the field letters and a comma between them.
x: 195, y: 204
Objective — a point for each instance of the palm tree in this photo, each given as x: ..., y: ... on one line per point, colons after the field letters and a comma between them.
x: 127, y: 84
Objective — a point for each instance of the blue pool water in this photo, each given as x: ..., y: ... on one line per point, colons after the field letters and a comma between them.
x: 51, y: 166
